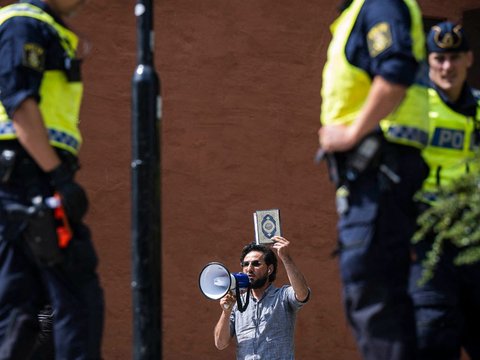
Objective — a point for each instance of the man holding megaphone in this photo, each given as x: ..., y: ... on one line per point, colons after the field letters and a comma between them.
x: 265, y: 329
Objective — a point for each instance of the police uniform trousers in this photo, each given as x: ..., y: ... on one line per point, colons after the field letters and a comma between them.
x: 447, y: 307
x: 374, y: 244
x: 70, y: 287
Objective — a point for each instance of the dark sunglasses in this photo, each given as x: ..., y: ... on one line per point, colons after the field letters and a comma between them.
x: 254, y: 263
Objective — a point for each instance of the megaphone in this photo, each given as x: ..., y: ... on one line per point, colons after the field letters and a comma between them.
x: 216, y: 281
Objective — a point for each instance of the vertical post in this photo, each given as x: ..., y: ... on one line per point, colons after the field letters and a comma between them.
x: 146, y: 192
x: 472, y: 30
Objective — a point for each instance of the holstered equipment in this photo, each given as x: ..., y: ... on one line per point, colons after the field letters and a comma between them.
x: 40, y: 233
x: 46, y: 224
x: 369, y: 155
x: 7, y: 162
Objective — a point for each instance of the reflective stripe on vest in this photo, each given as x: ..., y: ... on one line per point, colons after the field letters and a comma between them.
x: 56, y: 137
x: 60, y: 100
x: 451, y: 144
x: 345, y: 87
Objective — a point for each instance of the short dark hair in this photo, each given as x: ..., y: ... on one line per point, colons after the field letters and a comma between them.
x: 268, y: 256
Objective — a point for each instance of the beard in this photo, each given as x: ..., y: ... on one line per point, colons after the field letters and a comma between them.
x: 257, y: 284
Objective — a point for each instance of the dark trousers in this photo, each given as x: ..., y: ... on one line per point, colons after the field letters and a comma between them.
x: 374, y: 241
x: 447, y: 307
x: 72, y: 289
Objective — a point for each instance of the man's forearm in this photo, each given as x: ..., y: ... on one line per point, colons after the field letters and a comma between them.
x: 33, y: 135
x: 297, y: 280
x: 222, y: 331
x: 384, y: 97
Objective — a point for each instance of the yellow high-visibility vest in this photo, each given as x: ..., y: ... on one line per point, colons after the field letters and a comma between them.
x: 60, y: 99
x: 451, y: 144
x: 345, y: 87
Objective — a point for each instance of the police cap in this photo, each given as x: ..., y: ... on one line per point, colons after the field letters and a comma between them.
x: 447, y: 37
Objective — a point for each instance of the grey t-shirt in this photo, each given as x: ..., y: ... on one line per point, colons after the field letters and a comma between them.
x: 265, y: 330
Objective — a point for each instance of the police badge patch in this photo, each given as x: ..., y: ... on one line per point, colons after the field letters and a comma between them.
x: 34, y: 57
x: 379, y: 38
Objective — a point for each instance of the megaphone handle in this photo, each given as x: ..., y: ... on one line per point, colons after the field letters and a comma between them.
x: 241, y: 307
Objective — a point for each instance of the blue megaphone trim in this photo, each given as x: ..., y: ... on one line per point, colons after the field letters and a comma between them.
x: 243, y: 282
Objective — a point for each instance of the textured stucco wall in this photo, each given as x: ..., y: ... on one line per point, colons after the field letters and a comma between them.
x: 240, y: 84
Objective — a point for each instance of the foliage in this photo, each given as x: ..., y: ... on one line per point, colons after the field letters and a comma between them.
x: 453, y: 217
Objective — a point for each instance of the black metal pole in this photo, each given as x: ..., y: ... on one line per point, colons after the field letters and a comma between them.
x: 146, y: 186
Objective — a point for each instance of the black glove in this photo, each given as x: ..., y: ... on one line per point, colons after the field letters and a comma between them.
x: 74, y: 198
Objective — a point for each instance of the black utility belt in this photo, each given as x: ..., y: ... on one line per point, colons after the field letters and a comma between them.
x: 16, y: 165
x: 348, y: 166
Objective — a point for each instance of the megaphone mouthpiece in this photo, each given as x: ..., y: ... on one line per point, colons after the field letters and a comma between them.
x: 242, y: 280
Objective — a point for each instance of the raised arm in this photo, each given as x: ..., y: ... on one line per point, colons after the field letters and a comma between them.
x: 295, y: 276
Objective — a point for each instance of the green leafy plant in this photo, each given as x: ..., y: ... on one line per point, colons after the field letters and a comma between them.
x: 453, y: 217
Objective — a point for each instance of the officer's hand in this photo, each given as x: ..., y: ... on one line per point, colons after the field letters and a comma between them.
x: 227, y: 302
x: 337, y: 137
x: 73, y: 196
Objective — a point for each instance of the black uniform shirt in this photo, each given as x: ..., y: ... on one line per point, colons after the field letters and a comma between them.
x: 466, y: 104
x: 28, y: 47
x: 388, y: 22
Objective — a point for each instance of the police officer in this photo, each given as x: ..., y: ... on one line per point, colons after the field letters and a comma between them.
x: 448, y: 306
x: 374, y: 125
x: 46, y: 256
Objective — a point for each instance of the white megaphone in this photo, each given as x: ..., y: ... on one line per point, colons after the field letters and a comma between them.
x: 216, y: 281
